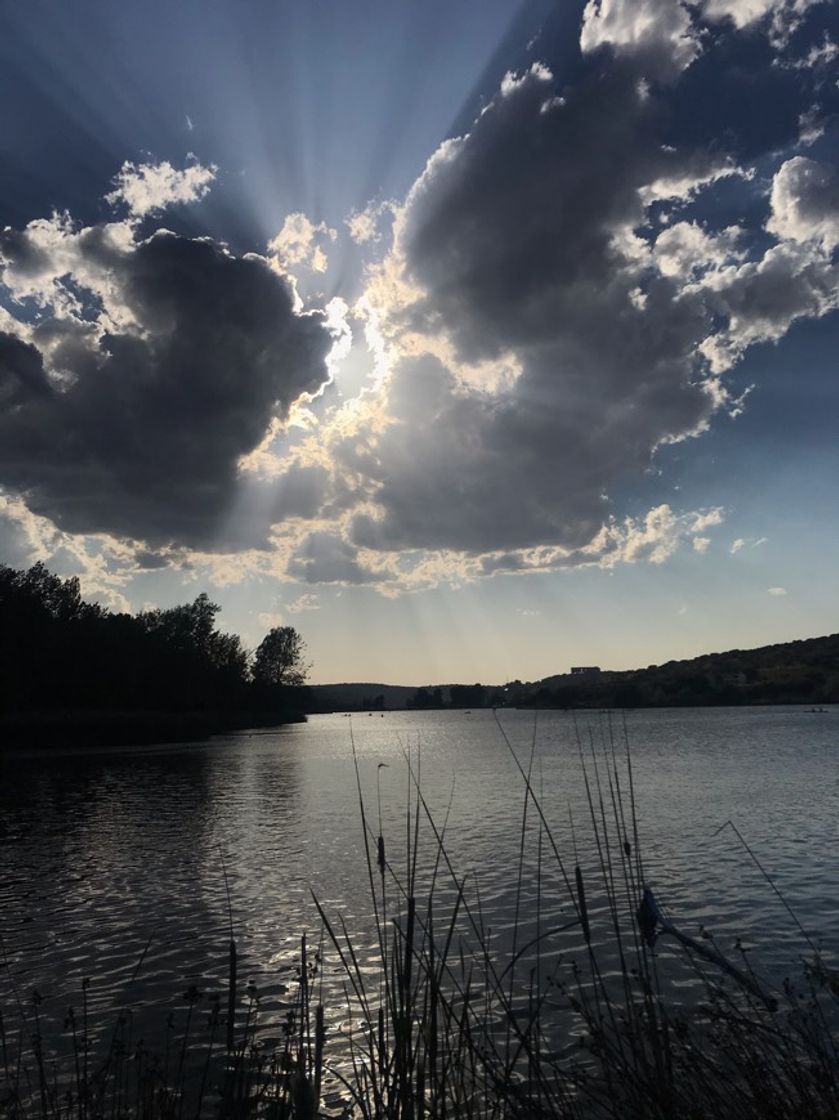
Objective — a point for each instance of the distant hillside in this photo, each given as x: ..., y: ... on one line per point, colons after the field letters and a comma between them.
x: 356, y: 697
x: 378, y: 697
x: 801, y: 672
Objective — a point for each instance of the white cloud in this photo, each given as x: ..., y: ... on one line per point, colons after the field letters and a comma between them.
x: 805, y: 203
x: 307, y: 602
x: 148, y: 188
x: 819, y: 54
x: 685, y: 182
x: 658, y: 33
x: 740, y: 543
x: 701, y: 544
x: 365, y: 225
x: 777, y: 592
x: 740, y: 12
x: 300, y: 243
x: 782, y: 16
x: 685, y: 251
x: 660, y: 534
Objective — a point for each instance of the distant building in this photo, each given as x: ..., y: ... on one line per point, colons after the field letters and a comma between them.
x: 577, y: 670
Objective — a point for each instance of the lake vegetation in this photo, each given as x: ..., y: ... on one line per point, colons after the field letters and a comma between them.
x: 579, y: 1018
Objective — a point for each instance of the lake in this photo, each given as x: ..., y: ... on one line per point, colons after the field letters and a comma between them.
x: 107, y: 856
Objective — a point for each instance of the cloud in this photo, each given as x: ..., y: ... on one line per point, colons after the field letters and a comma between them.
x: 154, y: 366
x: 781, y: 16
x: 777, y: 592
x: 656, y: 34
x: 300, y: 243
x: 324, y: 556
x: 557, y: 301
x: 307, y: 602
x: 805, y: 203
x: 517, y: 241
x: 653, y: 539
x: 685, y: 251
x: 148, y: 188
x: 103, y: 565
x: 530, y: 243
x: 818, y: 55
x: 740, y: 543
x: 760, y: 299
x: 364, y: 225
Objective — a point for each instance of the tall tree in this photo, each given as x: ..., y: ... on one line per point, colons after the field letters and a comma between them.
x: 279, y: 658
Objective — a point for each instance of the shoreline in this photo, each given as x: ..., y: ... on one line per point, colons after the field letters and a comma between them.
x: 69, y: 730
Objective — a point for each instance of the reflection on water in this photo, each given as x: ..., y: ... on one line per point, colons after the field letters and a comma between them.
x: 106, y: 855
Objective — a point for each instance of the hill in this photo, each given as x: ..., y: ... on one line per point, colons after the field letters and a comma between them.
x: 800, y: 672
x: 359, y: 697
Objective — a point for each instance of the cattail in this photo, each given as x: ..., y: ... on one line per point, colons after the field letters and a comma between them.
x: 320, y: 1038
x: 381, y: 846
x: 231, y: 996
x: 583, y: 909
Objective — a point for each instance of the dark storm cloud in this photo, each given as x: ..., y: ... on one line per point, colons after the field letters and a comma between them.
x: 514, y: 236
x: 137, y: 431
x: 509, y: 227
x: 22, y: 376
x: 531, y: 240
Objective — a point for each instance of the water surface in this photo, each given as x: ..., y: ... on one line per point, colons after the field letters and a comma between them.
x: 107, y: 856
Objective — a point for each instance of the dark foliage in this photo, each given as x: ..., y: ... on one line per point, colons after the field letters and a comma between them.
x: 73, y: 670
x: 279, y: 658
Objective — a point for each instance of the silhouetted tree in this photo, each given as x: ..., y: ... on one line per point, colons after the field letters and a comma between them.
x: 279, y: 658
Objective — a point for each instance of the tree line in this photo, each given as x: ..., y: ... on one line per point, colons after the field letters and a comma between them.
x: 458, y: 696
x: 60, y: 654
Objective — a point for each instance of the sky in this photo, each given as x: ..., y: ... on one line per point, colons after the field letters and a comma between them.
x: 473, y: 339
